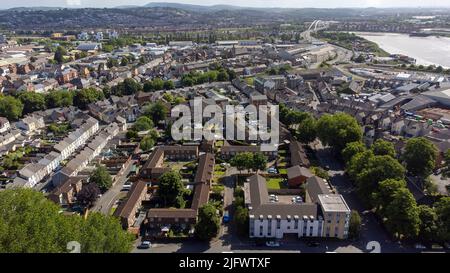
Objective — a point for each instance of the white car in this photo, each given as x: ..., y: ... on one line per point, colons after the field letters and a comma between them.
x: 272, y: 244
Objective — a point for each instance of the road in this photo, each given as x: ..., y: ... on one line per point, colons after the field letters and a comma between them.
x: 105, y: 203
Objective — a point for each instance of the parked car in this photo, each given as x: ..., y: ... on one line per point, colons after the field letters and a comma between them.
x: 226, y: 217
x: 145, y: 245
x: 272, y: 244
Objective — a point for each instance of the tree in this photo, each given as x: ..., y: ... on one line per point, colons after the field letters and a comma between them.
x: 379, y: 168
x: 148, y: 86
x: 88, y: 194
x: 157, y: 112
x: 383, y: 147
x: 223, y: 76
x: 168, y: 85
x: 158, y: 84
x: 351, y: 149
x: 307, y: 130
x: 358, y: 163
x: 446, y: 166
x: 428, y: 223
x: 112, y: 63
x: 420, y: 156
x: 242, y: 161
x: 101, y: 177
x: 104, y: 234
x: 147, y: 143
x: 241, y: 219
x: 132, y: 134
x: 143, y: 124
x: 170, y: 187
x: 10, y: 107
x: 354, y: 228
x: 168, y: 97
x: 59, y: 55
x: 87, y: 96
x: 383, y: 196
x: 208, y: 224
x: 130, y: 87
x: 32, y: 102
x: 338, y: 130
x: 443, y: 213
x: 259, y: 162
x: 29, y: 223
x: 403, y: 215
x: 56, y: 99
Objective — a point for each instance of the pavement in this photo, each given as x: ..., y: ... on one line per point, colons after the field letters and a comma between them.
x: 105, y: 203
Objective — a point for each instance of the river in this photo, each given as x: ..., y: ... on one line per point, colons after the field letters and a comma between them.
x: 426, y: 50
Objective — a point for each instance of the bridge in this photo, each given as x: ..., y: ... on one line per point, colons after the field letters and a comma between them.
x: 315, y: 26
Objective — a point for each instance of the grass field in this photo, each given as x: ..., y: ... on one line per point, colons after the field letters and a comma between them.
x: 275, y: 183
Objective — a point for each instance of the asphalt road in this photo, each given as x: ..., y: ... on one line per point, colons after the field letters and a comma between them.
x: 105, y: 203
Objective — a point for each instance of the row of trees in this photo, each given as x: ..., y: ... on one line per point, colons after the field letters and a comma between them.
x: 334, y: 130
x: 380, y: 182
x: 195, y: 78
x: 249, y: 161
x: 29, y: 223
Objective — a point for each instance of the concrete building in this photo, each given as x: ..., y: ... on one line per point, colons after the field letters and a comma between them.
x: 324, y: 214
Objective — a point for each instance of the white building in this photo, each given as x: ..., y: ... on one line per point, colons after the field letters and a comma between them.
x: 31, y: 123
x: 84, y: 36
x: 323, y: 214
x: 99, y: 36
x: 113, y: 35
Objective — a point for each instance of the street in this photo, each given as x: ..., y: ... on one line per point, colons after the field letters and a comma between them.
x: 106, y: 201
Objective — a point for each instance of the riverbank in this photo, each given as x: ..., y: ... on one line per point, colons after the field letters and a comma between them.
x: 430, y: 50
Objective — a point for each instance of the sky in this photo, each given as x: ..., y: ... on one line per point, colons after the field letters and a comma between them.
x: 250, y: 3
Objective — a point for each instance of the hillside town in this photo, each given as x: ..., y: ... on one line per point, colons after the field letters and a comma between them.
x: 363, y: 152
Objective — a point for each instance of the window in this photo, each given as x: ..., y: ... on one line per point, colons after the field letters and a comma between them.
x: 278, y: 223
x: 261, y: 230
x: 296, y: 225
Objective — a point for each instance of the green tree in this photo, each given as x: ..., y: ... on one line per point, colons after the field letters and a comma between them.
x: 158, y: 84
x: 156, y: 111
x: 148, y: 86
x: 403, y: 215
x: 241, y: 219
x: 10, y: 107
x: 32, y: 102
x: 124, y: 61
x: 242, y: 161
x: 420, y: 156
x: 337, y: 130
x: 101, y: 177
x: 87, y: 96
x: 428, y: 223
x: 208, y: 223
x: 354, y: 228
x: 383, y: 196
x: 223, y: 76
x: 130, y: 87
x: 168, y: 85
x: 307, y: 130
x: 351, y: 149
x: 443, y: 213
x: 147, y: 143
x: 56, y: 99
x: 143, y: 124
x: 259, y: 162
x: 59, y: 54
x: 132, y: 134
x: 383, y: 147
x: 104, y: 234
x: 379, y: 168
x: 170, y: 187
x: 29, y: 223
x: 446, y: 166
x: 358, y: 163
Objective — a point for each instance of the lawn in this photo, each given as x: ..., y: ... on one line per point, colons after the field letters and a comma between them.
x: 282, y: 171
x: 275, y: 183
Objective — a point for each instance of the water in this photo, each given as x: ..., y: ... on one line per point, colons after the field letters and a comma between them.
x: 426, y: 50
